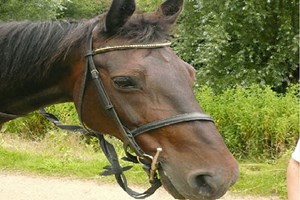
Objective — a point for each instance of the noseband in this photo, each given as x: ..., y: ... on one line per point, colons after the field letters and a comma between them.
x: 127, y: 134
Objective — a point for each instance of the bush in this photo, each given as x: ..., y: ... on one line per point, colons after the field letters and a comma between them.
x: 241, y: 42
x: 31, y: 9
x: 35, y: 126
x: 255, y: 122
x: 78, y: 9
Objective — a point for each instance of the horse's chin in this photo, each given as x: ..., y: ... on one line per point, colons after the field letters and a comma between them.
x: 165, y: 180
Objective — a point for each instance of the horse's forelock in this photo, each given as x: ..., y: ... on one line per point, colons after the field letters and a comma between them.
x: 145, y: 28
x: 140, y: 28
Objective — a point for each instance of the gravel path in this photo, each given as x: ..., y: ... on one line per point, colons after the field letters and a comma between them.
x: 29, y: 187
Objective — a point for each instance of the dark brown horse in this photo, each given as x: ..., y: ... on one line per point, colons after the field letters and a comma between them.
x: 44, y: 63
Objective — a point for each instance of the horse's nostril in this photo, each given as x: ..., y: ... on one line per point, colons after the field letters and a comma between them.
x: 200, y: 181
x: 203, y: 184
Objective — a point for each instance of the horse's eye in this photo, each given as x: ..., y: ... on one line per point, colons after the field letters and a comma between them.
x: 125, y: 82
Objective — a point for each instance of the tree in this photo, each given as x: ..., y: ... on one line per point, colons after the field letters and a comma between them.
x: 78, y: 9
x: 50, y: 9
x: 29, y: 9
x: 61, y: 9
x: 241, y: 42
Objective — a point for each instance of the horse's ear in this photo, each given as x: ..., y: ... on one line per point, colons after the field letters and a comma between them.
x: 120, y: 11
x: 171, y: 9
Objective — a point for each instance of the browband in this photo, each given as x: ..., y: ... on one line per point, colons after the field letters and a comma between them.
x: 130, y: 46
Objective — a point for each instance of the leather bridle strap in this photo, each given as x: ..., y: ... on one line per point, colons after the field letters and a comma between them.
x: 52, y: 118
x: 109, y: 151
x: 11, y: 116
x: 106, y: 103
x: 169, y: 121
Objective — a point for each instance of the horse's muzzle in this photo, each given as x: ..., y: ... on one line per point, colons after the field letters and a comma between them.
x: 198, y: 185
x: 209, y: 186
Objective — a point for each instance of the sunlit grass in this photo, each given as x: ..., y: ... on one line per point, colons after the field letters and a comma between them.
x: 60, y: 154
x: 63, y: 154
x: 263, y: 179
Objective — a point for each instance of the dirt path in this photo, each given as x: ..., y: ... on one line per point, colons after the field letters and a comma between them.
x: 29, y: 187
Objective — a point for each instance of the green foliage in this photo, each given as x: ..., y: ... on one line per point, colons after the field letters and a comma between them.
x: 32, y: 127
x: 78, y: 9
x: 65, y: 112
x: 148, y: 5
x: 241, y: 42
x: 50, y: 9
x: 29, y: 9
x: 255, y: 122
x: 61, y: 9
x: 36, y: 127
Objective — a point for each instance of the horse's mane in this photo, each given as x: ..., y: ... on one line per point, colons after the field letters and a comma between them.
x: 28, y: 50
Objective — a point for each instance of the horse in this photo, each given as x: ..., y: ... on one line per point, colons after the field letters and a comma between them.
x: 125, y: 81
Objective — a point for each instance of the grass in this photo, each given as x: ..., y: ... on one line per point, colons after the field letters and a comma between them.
x: 262, y: 179
x: 45, y: 164
x: 64, y: 154
x: 60, y: 154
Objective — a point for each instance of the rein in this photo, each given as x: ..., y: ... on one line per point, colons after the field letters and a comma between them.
x: 11, y: 116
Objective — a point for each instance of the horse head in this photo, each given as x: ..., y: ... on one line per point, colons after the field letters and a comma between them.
x: 146, y: 85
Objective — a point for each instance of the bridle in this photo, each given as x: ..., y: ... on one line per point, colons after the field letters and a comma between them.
x: 130, y: 135
x: 104, y: 99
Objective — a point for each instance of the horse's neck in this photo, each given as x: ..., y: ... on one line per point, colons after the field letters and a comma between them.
x: 49, y: 74
x: 24, y: 99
